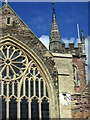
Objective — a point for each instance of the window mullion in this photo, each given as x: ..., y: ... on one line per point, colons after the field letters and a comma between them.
x: 29, y: 109
x: 13, y: 88
x: 18, y: 109
x: 2, y: 88
x: 44, y: 89
x: 34, y: 87
x: 40, y: 114
x: 7, y: 89
x: 29, y: 88
x: 7, y: 52
x: 7, y: 109
x: 24, y: 87
x: 18, y: 103
x: 34, y: 82
x: 39, y: 88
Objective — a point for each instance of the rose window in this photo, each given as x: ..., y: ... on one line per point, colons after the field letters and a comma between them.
x: 12, y: 62
x: 22, y: 86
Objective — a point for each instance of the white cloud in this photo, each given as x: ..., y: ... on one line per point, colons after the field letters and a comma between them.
x: 67, y: 41
x: 45, y: 40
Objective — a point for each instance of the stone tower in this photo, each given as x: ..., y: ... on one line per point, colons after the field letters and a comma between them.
x: 63, y: 63
x: 71, y: 65
x: 78, y: 53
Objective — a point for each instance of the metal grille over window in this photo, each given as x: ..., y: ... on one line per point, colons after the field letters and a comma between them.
x: 22, y: 88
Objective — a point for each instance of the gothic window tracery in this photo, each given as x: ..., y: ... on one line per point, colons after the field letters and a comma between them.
x: 22, y: 85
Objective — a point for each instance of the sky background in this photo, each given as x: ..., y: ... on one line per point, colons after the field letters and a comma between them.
x: 38, y: 16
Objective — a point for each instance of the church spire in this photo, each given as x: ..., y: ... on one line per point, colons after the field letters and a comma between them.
x: 6, y: 1
x: 54, y: 34
x: 54, y: 40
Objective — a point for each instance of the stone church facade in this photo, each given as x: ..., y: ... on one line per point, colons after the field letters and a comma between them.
x: 37, y: 83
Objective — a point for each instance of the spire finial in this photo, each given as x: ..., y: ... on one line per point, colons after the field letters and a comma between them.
x: 6, y: 1
x: 53, y: 8
x: 52, y: 3
x: 82, y: 33
x: 53, y: 12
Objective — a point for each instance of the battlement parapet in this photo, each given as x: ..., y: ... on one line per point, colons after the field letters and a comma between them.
x: 72, y: 49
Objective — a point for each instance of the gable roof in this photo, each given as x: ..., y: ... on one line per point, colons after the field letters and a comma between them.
x: 19, y: 30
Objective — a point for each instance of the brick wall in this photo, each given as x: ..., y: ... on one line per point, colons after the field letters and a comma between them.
x: 81, y: 73
x: 82, y: 104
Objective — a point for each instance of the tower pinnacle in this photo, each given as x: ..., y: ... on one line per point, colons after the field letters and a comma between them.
x: 83, y: 42
x: 6, y: 1
x: 82, y: 36
x: 54, y: 39
x: 54, y: 34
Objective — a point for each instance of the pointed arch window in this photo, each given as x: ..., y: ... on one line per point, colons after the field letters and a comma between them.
x: 24, y: 109
x: 22, y: 85
x: 37, y: 87
x: 42, y: 85
x: 15, y: 88
x: 31, y: 86
x: 34, y: 109
x: 5, y: 89
x: 26, y: 87
x: 3, y: 108
x: 10, y: 89
x: 45, y: 109
x: 13, y: 109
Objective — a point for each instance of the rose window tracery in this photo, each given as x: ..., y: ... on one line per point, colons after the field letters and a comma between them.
x: 12, y: 62
x: 22, y: 86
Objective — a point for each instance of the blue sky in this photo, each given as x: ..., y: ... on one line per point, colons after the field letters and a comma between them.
x: 38, y: 17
